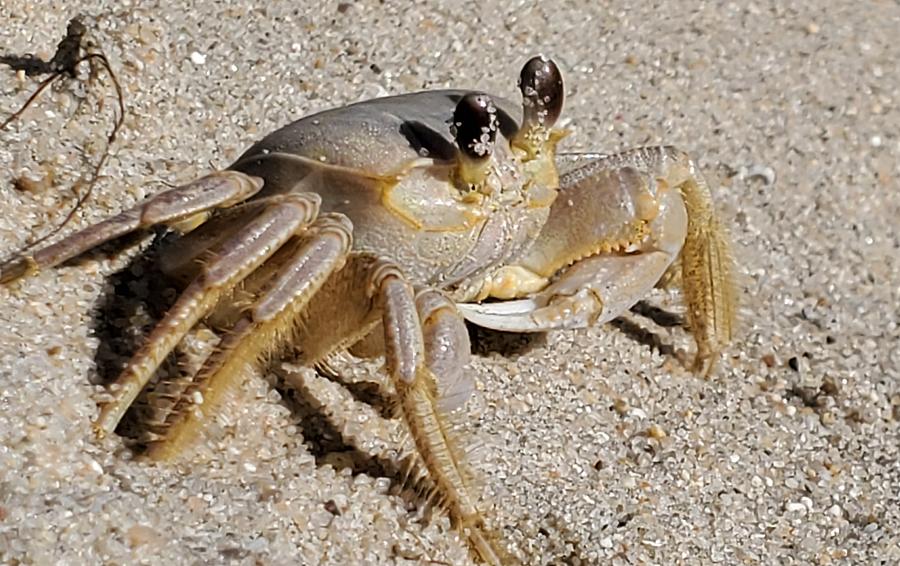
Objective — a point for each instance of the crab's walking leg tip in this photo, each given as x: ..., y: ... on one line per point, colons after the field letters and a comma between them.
x: 99, y: 432
x: 705, y: 363
x: 17, y: 268
x: 108, y: 419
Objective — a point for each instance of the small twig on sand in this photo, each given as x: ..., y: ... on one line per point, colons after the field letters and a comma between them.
x: 65, y: 62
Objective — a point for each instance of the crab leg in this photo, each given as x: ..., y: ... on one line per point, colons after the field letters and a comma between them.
x: 424, y: 334
x: 447, y: 351
x: 218, y: 190
x: 446, y: 386
x: 237, y: 257
x: 305, y: 264
x: 426, y: 346
x: 618, y: 224
x: 707, y: 273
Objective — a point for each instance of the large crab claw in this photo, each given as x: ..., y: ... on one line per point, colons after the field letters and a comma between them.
x: 619, y: 223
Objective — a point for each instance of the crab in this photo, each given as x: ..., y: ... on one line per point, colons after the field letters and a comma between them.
x: 379, y: 228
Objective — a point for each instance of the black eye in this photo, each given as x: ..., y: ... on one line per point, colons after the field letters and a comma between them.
x: 475, y: 125
x: 542, y: 89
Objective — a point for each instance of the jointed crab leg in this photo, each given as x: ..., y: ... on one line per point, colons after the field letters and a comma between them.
x: 412, y: 356
x: 425, y: 343
x: 448, y: 349
x: 263, y: 330
x: 238, y: 256
x: 707, y: 265
x: 707, y: 273
x: 218, y: 190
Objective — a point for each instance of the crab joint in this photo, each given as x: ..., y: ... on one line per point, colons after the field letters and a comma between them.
x: 474, y: 128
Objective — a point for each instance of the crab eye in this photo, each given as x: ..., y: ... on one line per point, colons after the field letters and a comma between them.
x: 542, y: 90
x: 475, y: 126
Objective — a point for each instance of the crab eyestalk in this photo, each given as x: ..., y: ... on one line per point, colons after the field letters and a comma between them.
x: 541, y: 85
x: 475, y: 131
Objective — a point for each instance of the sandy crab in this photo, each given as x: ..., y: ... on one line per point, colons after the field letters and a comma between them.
x: 382, y: 226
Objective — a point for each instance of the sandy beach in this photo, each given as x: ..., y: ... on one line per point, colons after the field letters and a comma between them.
x: 595, y: 447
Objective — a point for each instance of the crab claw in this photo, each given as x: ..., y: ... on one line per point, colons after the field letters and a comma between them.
x: 621, y: 224
x: 507, y: 316
x: 592, y: 286
x: 593, y: 291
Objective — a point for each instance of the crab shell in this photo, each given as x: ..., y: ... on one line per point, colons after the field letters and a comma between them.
x: 389, y: 165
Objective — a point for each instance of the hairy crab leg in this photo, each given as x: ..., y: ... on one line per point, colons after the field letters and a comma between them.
x: 444, y: 387
x: 218, y: 190
x: 618, y: 224
x: 237, y: 257
x: 262, y: 331
x: 426, y: 346
x: 414, y: 333
x: 707, y: 273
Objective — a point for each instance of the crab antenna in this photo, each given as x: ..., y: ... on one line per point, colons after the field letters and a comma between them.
x: 542, y: 100
x: 474, y: 128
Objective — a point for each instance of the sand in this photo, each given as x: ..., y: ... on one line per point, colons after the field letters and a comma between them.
x: 596, y: 448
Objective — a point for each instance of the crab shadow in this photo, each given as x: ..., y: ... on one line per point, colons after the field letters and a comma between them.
x: 325, y: 441
x: 632, y: 328
x: 127, y: 298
